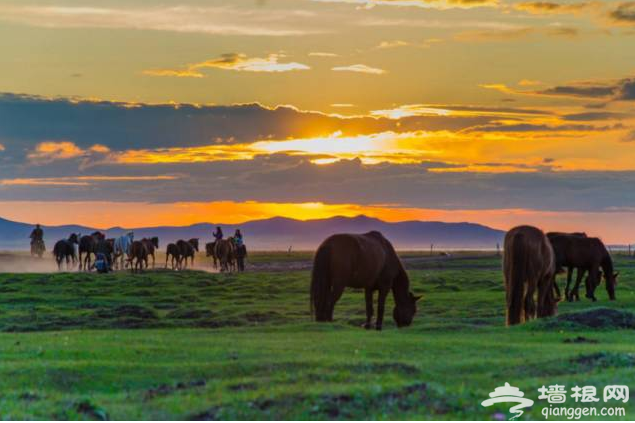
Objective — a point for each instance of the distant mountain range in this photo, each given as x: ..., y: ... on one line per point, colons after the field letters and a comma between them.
x: 281, y: 233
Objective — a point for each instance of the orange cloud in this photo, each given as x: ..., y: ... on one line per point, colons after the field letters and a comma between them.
x: 359, y: 68
x: 49, y: 151
x: 81, y: 180
x: 232, y: 61
x: 55, y: 150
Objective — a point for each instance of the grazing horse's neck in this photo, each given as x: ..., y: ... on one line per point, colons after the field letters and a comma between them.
x: 401, y: 286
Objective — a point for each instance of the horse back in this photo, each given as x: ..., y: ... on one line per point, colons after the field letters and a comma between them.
x: 358, y: 260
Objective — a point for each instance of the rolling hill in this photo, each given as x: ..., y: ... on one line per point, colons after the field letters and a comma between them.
x: 281, y: 233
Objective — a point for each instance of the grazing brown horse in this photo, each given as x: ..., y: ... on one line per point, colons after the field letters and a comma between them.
x: 174, y: 252
x: 210, y: 251
x: 366, y: 261
x: 138, y: 256
x: 64, y: 249
x: 587, y: 255
x: 151, y: 245
x: 187, y: 249
x: 87, y: 245
x: 559, y: 242
x: 529, y: 267
x: 224, y: 251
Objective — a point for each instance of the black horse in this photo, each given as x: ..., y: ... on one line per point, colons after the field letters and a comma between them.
x: 87, y: 245
x: 187, y: 249
x: 64, y: 249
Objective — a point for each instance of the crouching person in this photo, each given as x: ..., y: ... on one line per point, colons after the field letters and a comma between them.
x: 101, y: 264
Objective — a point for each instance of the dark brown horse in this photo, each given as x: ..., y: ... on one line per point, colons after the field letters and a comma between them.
x: 366, y: 261
x: 174, y: 252
x: 529, y: 267
x: 151, y: 245
x: 210, y: 251
x: 138, y: 256
x: 559, y: 242
x: 187, y: 249
x: 87, y: 245
x: 587, y: 255
x: 224, y: 252
x: 241, y: 253
x: 64, y: 250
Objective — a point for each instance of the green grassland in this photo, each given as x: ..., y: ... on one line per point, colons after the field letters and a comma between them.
x: 195, y: 345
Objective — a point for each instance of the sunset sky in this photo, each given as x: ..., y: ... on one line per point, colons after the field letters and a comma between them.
x: 153, y: 112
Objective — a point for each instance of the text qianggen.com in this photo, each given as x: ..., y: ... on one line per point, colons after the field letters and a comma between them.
x: 576, y: 413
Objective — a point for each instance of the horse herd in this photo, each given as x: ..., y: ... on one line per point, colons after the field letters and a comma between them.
x: 532, y: 259
x: 126, y: 252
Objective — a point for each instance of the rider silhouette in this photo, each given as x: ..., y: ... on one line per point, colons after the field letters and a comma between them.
x: 218, y: 235
x: 238, y: 238
x: 37, y: 234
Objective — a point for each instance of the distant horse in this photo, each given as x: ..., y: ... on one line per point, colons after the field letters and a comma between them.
x: 588, y: 255
x: 122, y: 248
x: 138, y: 256
x: 529, y: 267
x: 65, y: 250
x: 224, y: 250
x: 210, y: 251
x: 559, y: 242
x: 151, y: 245
x: 366, y: 261
x: 174, y: 251
x: 240, y: 253
x: 187, y: 249
x: 87, y: 245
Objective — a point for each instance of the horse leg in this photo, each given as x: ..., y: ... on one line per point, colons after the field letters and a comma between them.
x: 369, y: 307
x: 546, y: 301
x: 567, y: 293
x: 590, y: 285
x: 153, y: 260
x: 381, y: 303
x: 556, y: 288
x: 575, y: 291
x: 530, y: 304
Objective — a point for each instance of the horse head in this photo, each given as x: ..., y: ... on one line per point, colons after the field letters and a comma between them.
x: 403, y: 313
x: 73, y: 239
x: 194, y: 243
x: 611, y: 283
x: 98, y: 236
x: 155, y: 241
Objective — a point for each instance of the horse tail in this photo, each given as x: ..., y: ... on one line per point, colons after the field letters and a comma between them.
x: 515, y: 277
x: 56, y: 250
x: 320, y: 301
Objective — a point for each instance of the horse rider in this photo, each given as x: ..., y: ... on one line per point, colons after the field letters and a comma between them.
x: 218, y: 235
x: 37, y: 235
x: 238, y: 238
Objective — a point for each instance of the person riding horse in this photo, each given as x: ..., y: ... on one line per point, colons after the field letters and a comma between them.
x: 238, y: 238
x: 218, y: 235
x: 37, y: 240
